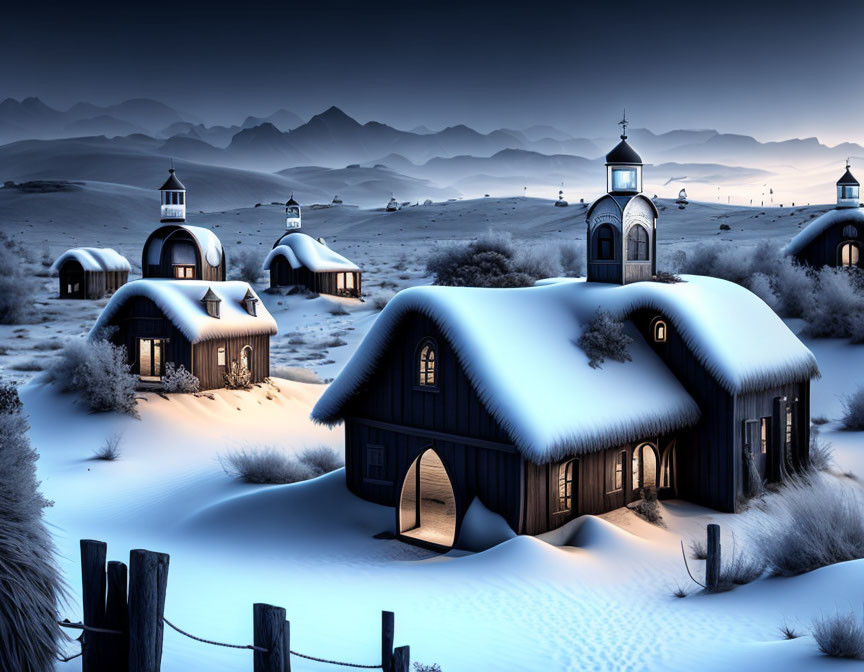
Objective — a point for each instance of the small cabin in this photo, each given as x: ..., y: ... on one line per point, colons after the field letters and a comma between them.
x: 183, y: 252
x: 90, y: 272
x: 835, y: 238
x: 205, y: 326
x: 298, y: 259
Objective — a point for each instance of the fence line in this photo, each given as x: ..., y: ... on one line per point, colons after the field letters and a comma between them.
x: 122, y: 628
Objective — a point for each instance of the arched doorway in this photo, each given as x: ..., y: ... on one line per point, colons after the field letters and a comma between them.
x: 645, y: 467
x: 427, y: 505
x: 246, y: 358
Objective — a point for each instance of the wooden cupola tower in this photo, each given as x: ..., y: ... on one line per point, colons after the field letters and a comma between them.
x: 848, y: 190
x: 622, y: 223
x: 292, y: 214
x: 173, y: 192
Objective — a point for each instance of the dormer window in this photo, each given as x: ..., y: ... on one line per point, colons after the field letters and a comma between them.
x: 211, y: 303
x: 427, y: 355
x: 250, y: 302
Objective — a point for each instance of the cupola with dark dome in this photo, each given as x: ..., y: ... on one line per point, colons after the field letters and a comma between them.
x: 292, y: 214
x: 173, y: 193
x: 848, y: 190
x: 623, y: 166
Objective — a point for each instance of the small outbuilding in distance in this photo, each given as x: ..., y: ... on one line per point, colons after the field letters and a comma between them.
x: 836, y: 237
x: 298, y: 259
x: 90, y: 272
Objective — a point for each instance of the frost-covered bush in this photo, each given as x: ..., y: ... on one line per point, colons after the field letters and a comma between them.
x: 110, y: 448
x: 698, y: 550
x: 489, y: 261
x: 238, y: 377
x: 648, y: 507
x: 99, y: 371
x: 265, y: 464
x: 793, y: 286
x: 809, y: 524
x: 760, y: 285
x: 572, y: 257
x: 604, y: 338
x: 821, y: 455
x: 834, y: 306
x: 17, y: 288
x: 721, y: 260
x: 740, y: 570
x: 29, y: 581
x: 422, y: 667
x: 246, y: 264
x: 178, y: 379
x: 840, y: 636
x: 853, y: 409
x: 322, y: 460
x: 542, y: 261
x: 380, y: 301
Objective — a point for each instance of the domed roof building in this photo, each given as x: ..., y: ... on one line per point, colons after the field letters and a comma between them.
x: 836, y: 237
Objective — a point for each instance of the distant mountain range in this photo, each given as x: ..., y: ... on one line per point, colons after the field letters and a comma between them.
x: 452, y: 161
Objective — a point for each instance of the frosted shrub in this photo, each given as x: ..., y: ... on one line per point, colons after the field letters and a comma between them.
x: 29, y: 580
x: 178, y: 379
x: 719, y: 260
x: 17, y: 288
x: 840, y: 636
x: 246, y: 264
x: 760, y: 285
x: 821, y: 455
x: 110, y: 448
x: 321, y: 460
x: 572, y: 257
x: 543, y: 261
x: 604, y: 338
x: 853, y: 410
x: 835, y: 305
x: 810, y: 524
x: 238, y: 377
x: 422, y: 667
x: 740, y: 570
x: 265, y: 465
x: 648, y: 507
x: 99, y: 371
x: 793, y: 286
x: 489, y: 261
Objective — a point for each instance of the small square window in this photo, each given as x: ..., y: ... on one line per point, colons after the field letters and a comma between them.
x: 376, y: 468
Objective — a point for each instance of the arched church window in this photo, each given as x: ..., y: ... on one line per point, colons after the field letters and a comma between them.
x: 605, y: 243
x: 637, y: 243
x: 849, y: 254
x: 427, y: 375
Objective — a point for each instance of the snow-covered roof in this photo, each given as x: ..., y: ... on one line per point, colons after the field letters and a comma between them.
x: 519, y: 348
x: 211, y: 246
x: 93, y: 259
x: 180, y: 301
x: 821, y: 224
x: 301, y: 249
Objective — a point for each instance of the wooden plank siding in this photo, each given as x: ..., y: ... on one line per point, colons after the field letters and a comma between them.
x: 205, y: 358
x: 283, y: 275
x: 91, y: 284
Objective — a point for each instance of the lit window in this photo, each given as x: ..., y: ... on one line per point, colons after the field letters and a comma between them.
x: 763, y: 435
x: 375, y: 466
x: 220, y: 357
x: 788, y: 428
x: 426, y: 365
x: 849, y: 254
x: 659, y: 331
x: 566, y: 475
x: 637, y: 243
x: 619, y: 470
x: 644, y: 467
x: 184, y: 272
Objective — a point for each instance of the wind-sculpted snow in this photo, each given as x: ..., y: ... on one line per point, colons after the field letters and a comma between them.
x: 303, y: 250
x: 93, y: 259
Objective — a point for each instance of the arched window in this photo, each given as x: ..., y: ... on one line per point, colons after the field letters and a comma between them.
x: 427, y: 356
x: 246, y: 358
x: 644, y: 467
x: 566, y: 485
x: 667, y: 470
x: 658, y: 330
x: 605, y: 243
x: 637, y: 243
x: 849, y: 231
x: 849, y: 254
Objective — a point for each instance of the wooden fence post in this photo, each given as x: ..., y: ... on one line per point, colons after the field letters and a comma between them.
x: 286, y: 647
x: 93, y: 555
x: 269, y: 633
x: 387, y: 627
x: 401, y: 659
x: 712, y: 560
x: 117, y: 618
x: 148, y: 581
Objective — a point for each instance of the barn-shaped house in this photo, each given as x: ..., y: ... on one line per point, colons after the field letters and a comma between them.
x: 298, y: 259
x: 462, y: 393
x: 90, y: 272
x: 183, y: 311
x: 835, y: 238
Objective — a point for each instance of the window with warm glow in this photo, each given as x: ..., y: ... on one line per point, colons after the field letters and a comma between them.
x: 566, y: 476
x: 427, y: 376
x: 763, y: 435
x: 184, y: 272
x: 660, y: 331
x: 849, y: 254
x: 618, y: 473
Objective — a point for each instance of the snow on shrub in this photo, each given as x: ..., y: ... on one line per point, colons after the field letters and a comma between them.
x: 604, y: 338
x: 821, y: 455
x: 99, y: 371
x: 322, y: 459
x: 835, y: 306
x: 740, y: 570
x: 572, y: 258
x: 840, y: 636
x: 648, y: 507
x: 760, y: 285
x: 267, y: 464
x: 793, y: 286
x: 541, y: 261
x: 246, y: 264
x: 29, y: 580
x: 178, y: 379
x: 17, y: 287
x: 853, y: 409
x: 422, y: 667
x: 238, y: 377
x: 809, y: 524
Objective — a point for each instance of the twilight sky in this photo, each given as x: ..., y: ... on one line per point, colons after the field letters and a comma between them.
x: 770, y: 69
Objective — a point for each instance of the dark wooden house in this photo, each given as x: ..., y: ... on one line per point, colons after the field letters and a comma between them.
x: 835, y: 238
x: 462, y: 393
x: 90, y: 272
x: 299, y: 260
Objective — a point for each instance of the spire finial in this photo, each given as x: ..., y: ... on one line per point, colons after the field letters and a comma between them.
x: 623, y: 124
x: 171, y: 169
x: 848, y: 165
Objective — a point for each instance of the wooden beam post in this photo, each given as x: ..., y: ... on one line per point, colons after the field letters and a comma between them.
x: 401, y: 659
x: 117, y: 618
x: 148, y: 581
x: 286, y: 647
x: 93, y: 554
x: 269, y: 633
x: 387, y: 627
x: 712, y: 561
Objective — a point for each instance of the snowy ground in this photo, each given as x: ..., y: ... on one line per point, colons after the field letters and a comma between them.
x: 595, y: 596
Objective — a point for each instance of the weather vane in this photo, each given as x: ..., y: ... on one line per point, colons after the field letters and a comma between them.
x: 623, y: 124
